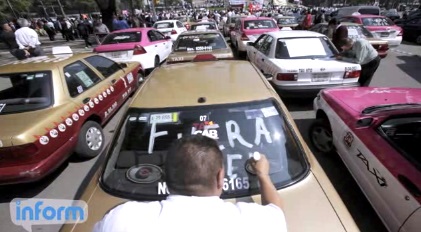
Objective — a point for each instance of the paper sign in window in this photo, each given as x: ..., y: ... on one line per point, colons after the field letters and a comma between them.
x: 305, y: 47
x: 84, y: 78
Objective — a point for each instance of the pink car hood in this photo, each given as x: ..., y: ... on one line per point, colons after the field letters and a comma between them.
x: 357, y: 99
x: 116, y: 47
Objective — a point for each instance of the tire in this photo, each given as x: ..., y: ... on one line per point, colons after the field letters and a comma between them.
x: 156, y: 64
x: 321, y: 136
x: 140, y: 78
x: 90, y: 140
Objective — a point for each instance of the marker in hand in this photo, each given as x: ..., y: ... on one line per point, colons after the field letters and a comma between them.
x: 256, y: 156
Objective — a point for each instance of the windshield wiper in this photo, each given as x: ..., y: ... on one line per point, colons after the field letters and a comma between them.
x: 373, y: 109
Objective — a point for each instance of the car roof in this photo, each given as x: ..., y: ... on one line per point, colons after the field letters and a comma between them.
x: 218, y: 82
x: 195, y: 32
x: 297, y: 33
x: 344, y: 23
x: 284, y: 17
x: 255, y: 18
x: 41, y: 63
x: 166, y: 21
x: 366, y: 16
x: 137, y: 29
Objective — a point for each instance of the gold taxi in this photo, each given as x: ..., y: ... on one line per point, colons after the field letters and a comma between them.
x: 52, y: 106
x: 233, y: 103
x: 195, y: 45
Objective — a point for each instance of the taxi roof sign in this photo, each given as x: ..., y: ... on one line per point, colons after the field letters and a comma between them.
x: 60, y: 50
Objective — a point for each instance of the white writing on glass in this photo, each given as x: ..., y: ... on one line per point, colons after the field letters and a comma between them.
x: 154, y: 135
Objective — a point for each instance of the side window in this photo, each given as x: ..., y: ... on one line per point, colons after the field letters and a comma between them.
x: 152, y: 36
x: 159, y: 35
x: 405, y: 135
x: 179, y: 24
x: 79, y: 78
x: 104, y: 65
x: 238, y: 25
x: 265, y: 48
x: 259, y: 42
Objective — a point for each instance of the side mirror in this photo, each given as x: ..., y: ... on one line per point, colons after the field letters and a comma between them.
x: 167, y: 37
x: 250, y: 43
x: 269, y: 77
x: 123, y: 65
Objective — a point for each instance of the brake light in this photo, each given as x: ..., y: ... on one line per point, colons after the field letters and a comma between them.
x: 244, y: 37
x: 173, y: 32
x: 287, y: 76
x: 205, y: 57
x: 138, y: 50
x: 18, y: 153
x: 352, y: 74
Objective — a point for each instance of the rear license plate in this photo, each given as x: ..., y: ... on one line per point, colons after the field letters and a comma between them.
x: 320, y: 77
x: 384, y: 34
x: 118, y: 54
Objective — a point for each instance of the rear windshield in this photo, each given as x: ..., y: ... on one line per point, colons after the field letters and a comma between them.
x: 122, y: 37
x: 368, y: 11
x: 304, y: 48
x: 357, y: 32
x: 209, y: 41
x: 287, y: 21
x: 138, y: 152
x: 259, y: 24
x: 209, y: 26
x: 377, y: 22
x: 22, y: 92
x: 163, y: 25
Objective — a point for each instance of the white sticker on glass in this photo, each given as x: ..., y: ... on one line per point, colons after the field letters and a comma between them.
x: 269, y: 111
x: 130, y: 78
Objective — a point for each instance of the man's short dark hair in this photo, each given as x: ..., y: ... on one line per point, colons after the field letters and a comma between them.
x: 345, y: 42
x: 192, y: 165
x: 333, y: 21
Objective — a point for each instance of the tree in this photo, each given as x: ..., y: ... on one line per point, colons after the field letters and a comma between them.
x: 108, y: 9
x: 20, y: 7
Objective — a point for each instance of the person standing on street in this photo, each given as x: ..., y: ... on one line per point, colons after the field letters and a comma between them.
x: 194, y: 170
x: 339, y: 32
x: 49, y: 28
x: 27, y: 39
x: 307, y: 21
x: 83, y: 30
x: 365, y: 55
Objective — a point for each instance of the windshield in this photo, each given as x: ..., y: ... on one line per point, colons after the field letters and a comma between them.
x: 357, y: 32
x: 304, y: 48
x: 259, y: 24
x: 122, y: 37
x: 377, y: 22
x: 287, y: 21
x: 368, y: 11
x: 22, y: 92
x: 209, y: 41
x: 203, y: 26
x: 134, y: 167
x: 164, y: 25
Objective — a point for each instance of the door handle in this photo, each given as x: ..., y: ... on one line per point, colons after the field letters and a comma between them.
x: 86, y: 100
x: 409, y: 185
x: 113, y: 81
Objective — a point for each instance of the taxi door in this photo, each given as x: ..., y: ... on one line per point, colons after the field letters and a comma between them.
x: 252, y: 50
x: 362, y: 149
x: 164, y: 45
x: 261, y: 59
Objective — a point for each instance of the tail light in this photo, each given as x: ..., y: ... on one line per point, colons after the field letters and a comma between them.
x: 287, y: 76
x: 352, y: 74
x: 400, y: 33
x: 244, y: 37
x: 138, y: 50
x: 18, y: 154
x: 205, y: 57
x: 173, y: 32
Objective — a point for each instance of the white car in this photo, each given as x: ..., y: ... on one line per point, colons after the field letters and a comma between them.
x: 301, y: 63
x: 147, y: 46
x: 377, y: 134
x: 171, y: 28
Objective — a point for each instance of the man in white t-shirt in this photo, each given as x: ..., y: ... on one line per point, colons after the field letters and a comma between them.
x: 195, y: 177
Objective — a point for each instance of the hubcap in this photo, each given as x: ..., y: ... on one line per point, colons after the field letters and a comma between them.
x: 140, y: 77
x: 322, y: 139
x: 93, y: 138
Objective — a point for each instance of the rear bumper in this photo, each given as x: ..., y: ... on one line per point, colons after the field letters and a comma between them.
x: 36, y: 171
x: 307, y: 91
x: 393, y: 42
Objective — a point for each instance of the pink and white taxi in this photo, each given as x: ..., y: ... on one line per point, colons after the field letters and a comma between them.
x: 377, y: 134
x: 147, y: 46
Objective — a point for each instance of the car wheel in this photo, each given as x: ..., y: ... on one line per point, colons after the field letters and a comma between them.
x: 156, y: 62
x: 140, y: 77
x: 418, y: 39
x: 321, y: 136
x: 90, y: 140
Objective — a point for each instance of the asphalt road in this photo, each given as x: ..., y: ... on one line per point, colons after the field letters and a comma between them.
x: 401, y: 68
